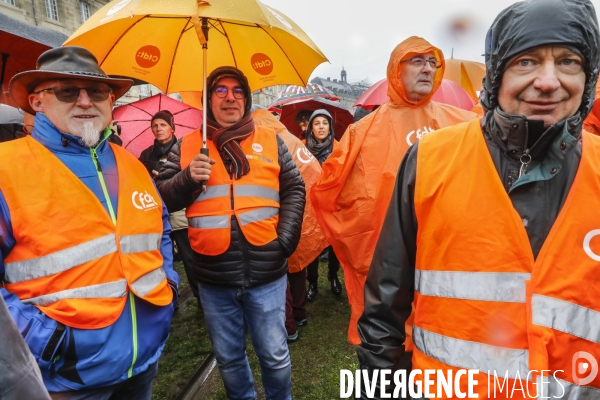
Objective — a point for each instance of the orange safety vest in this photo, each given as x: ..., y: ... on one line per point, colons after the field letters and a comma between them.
x: 70, y: 260
x: 482, y: 301
x: 252, y: 199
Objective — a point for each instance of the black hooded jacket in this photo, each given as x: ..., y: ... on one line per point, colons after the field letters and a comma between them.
x: 537, y: 197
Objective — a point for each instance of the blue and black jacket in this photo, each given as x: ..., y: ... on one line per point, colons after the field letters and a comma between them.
x: 71, y: 358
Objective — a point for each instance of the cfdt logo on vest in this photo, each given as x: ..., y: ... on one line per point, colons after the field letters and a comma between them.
x: 147, y: 56
x: 585, y: 368
x: 262, y: 63
x: 593, y: 235
x: 143, y: 201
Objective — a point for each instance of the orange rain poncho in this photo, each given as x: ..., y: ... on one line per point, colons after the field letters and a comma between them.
x: 592, y: 121
x: 351, y: 198
x: 478, y: 109
x: 312, y: 239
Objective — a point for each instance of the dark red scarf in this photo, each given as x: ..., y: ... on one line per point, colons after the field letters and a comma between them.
x: 228, y: 141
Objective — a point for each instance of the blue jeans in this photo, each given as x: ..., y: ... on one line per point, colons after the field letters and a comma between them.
x: 229, y: 314
x: 138, y: 387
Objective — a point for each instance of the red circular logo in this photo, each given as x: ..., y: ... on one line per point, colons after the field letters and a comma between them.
x: 147, y: 56
x: 262, y: 63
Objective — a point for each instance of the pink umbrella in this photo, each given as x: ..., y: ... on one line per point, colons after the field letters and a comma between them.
x: 449, y: 92
x: 134, y: 119
x: 375, y: 95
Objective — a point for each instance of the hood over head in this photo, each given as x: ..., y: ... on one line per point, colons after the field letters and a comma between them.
x: 315, y: 114
x: 528, y: 24
x: 407, y: 49
x: 228, y: 72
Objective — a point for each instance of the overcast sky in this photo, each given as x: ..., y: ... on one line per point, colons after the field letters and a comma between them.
x: 361, y: 34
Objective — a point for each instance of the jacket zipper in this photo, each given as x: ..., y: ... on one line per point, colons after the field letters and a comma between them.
x: 242, y: 237
x: 111, y: 211
x: 134, y: 332
x: 103, y: 184
x: 525, y: 159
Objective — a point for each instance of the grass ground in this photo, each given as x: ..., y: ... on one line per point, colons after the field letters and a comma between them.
x: 317, y: 357
x: 187, y: 347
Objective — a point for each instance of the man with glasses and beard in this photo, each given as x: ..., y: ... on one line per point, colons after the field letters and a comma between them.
x: 86, y: 260
x: 245, y: 210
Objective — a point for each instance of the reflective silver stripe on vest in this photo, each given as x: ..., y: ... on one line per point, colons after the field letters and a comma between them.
x: 213, y: 192
x: 257, y: 191
x: 214, y: 222
x: 146, y: 283
x: 556, y: 388
x: 111, y: 290
x: 472, y: 355
x: 487, y: 286
x: 259, y: 214
x: 60, y: 261
x: 566, y: 317
x: 140, y: 243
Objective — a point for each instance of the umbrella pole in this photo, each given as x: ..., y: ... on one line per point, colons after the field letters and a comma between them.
x: 204, y: 149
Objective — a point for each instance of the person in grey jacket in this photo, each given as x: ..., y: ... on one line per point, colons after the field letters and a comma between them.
x: 542, y: 66
x: 20, y: 376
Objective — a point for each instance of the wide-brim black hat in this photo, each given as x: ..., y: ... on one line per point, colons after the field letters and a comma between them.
x: 69, y: 62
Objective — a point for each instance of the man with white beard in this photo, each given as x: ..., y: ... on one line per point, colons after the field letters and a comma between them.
x: 85, y: 255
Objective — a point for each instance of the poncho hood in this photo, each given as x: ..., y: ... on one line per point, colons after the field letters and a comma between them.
x: 407, y: 49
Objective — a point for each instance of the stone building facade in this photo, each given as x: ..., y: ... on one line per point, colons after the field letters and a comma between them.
x: 266, y: 96
x: 347, y: 92
x: 61, y: 15
x: 66, y: 16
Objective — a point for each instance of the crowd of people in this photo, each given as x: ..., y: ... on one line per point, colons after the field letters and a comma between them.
x: 470, y: 247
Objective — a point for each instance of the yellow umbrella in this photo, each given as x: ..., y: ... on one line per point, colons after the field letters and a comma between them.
x: 174, y: 44
x: 193, y: 99
x: 468, y: 74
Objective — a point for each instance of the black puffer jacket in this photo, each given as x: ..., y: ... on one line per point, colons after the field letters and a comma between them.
x: 155, y: 156
x: 243, y: 264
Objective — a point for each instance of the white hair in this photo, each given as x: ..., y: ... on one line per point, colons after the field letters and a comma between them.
x: 89, y: 134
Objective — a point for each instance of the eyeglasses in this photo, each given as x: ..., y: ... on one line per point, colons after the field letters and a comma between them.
x: 70, y: 94
x: 419, y: 62
x: 221, y: 92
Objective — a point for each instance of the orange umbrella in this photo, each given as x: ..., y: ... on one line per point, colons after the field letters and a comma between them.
x: 592, y: 122
x: 468, y: 74
x: 193, y: 99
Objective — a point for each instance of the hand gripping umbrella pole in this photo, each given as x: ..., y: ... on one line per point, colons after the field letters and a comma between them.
x: 204, y: 41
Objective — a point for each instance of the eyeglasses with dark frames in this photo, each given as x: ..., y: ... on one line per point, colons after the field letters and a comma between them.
x: 419, y: 62
x: 70, y: 94
x: 221, y: 92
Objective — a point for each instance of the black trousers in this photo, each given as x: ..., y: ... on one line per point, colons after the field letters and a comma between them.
x: 180, y: 237
x: 313, y: 268
x: 295, y: 305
